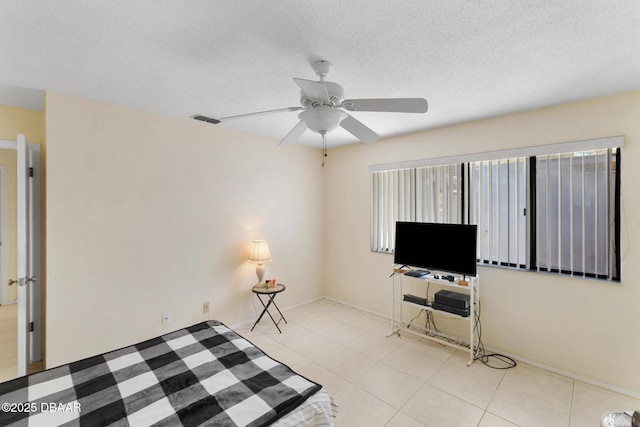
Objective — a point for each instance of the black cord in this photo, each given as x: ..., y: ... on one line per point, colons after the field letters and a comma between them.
x: 430, y: 321
x: 480, y: 353
x: 419, y: 313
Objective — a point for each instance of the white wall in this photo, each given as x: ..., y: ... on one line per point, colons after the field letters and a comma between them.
x: 585, y: 327
x: 147, y: 214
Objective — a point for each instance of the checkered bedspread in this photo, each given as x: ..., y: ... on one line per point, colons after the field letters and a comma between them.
x: 202, y: 375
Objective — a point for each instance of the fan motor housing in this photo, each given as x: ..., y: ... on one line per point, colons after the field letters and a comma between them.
x: 336, y: 96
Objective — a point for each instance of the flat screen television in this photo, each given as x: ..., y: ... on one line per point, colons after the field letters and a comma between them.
x: 441, y: 247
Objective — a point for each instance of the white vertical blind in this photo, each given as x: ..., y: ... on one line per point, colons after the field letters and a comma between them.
x: 428, y: 194
x: 497, y: 202
x: 392, y: 199
x: 437, y: 194
x: 574, y: 199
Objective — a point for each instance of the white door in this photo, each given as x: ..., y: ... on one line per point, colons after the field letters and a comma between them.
x: 28, y: 233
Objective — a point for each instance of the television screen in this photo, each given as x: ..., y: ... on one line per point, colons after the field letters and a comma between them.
x: 441, y: 247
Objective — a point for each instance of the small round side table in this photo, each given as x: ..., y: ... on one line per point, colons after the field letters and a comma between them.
x: 271, y: 293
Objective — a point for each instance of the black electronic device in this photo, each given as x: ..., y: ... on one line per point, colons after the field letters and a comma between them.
x: 442, y: 247
x: 416, y: 300
x: 449, y: 309
x: 452, y: 299
x: 417, y: 273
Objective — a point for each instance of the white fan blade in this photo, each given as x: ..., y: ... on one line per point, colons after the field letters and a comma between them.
x: 241, y: 116
x: 294, y: 134
x: 359, y: 130
x: 313, y: 89
x: 392, y: 105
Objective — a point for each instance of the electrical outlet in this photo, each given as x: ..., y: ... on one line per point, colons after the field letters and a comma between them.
x: 205, y: 307
x: 166, y: 318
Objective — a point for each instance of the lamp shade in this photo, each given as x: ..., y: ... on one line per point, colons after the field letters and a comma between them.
x: 259, y: 251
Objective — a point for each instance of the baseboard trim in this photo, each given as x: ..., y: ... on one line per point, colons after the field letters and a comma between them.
x: 591, y: 381
x: 518, y: 358
x: 568, y: 374
x: 357, y: 307
x: 246, y: 323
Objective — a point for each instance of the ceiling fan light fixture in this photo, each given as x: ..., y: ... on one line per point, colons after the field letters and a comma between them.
x: 323, y: 118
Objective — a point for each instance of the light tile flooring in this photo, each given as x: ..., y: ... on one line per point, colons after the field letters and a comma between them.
x: 402, y: 381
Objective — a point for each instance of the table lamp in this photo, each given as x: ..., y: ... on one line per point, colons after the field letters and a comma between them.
x: 260, y: 254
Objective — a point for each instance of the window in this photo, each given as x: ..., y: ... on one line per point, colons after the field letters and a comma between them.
x: 497, y: 205
x: 437, y: 193
x: 551, y: 208
x: 393, y: 199
x: 575, y: 212
x: 424, y: 194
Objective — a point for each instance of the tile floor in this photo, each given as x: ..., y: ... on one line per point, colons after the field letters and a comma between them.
x: 405, y: 381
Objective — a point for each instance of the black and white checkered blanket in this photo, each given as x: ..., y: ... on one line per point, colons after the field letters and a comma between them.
x: 202, y: 375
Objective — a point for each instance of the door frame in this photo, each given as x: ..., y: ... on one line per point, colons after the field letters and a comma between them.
x: 34, y: 346
x: 30, y: 342
x: 4, y: 275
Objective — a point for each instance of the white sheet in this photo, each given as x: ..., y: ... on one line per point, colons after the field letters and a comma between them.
x: 318, y: 410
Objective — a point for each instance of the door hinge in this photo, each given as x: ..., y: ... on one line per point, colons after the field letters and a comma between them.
x: 31, y: 327
x: 31, y: 172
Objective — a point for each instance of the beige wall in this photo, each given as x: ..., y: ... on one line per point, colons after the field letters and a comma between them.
x: 8, y: 159
x: 149, y: 214
x: 588, y: 328
x: 14, y: 120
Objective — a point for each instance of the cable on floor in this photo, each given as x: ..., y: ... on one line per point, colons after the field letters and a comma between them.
x: 480, y: 354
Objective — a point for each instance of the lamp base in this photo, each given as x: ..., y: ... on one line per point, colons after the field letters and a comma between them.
x: 260, y: 273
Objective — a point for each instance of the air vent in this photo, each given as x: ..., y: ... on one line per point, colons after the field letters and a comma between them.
x: 206, y: 119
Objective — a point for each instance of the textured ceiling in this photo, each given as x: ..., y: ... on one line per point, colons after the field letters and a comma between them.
x: 469, y: 59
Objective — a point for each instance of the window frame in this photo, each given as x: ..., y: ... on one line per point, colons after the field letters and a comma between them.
x: 465, y: 204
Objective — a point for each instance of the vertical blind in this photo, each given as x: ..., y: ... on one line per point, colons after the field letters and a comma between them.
x: 497, y: 205
x: 426, y: 194
x: 393, y: 199
x: 437, y: 194
x: 574, y: 212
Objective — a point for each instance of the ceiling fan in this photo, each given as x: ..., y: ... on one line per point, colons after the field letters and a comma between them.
x: 323, y: 108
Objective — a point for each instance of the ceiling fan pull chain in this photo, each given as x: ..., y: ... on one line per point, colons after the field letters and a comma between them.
x: 324, y: 147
